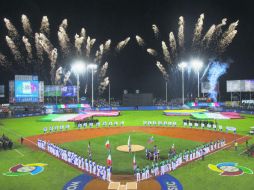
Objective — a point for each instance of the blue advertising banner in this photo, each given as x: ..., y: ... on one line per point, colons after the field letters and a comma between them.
x: 69, y: 91
x: 78, y: 183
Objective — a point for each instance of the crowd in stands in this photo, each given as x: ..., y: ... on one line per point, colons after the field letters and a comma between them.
x: 162, y: 102
x: 72, y: 158
x: 4, y: 111
x: 176, y: 160
x: 104, y: 103
x: 26, y: 109
x: 5, y: 143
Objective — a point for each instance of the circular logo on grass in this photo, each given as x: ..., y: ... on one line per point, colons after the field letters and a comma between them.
x: 25, y: 169
x: 230, y: 169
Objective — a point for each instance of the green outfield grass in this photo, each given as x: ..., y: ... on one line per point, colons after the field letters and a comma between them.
x: 193, y: 176
x: 122, y: 161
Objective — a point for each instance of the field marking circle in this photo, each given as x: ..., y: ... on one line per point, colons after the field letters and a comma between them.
x: 134, y: 148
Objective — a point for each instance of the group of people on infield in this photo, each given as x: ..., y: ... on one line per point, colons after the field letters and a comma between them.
x: 175, y: 160
x: 81, y: 125
x: 160, y: 123
x: 197, y: 124
x: 87, y: 165
x: 56, y: 128
x: 98, y: 124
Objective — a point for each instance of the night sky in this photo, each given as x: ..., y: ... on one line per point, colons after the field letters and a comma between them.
x: 133, y: 68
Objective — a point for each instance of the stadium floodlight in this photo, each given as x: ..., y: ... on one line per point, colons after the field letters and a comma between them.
x: 93, y: 67
x: 78, y: 67
x: 197, y: 65
x: 182, y: 65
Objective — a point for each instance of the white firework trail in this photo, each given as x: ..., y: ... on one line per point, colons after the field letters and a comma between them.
x: 26, y: 25
x: 64, y: 24
x: 3, y: 60
x: 218, y: 29
x: 66, y: 77
x: 58, y: 75
x: 14, y: 49
x: 78, y: 43
x: 181, y: 32
x: 99, y: 54
x: 12, y: 31
x: 28, y: 47
x: 162, y: 70
x: 63, y: 40
x: 208, y: 36
x: 88, y: 46
x: 165, y: 52
x: 103, y: 70
x: 140, y: 41
x: 227, y: 37
x: 45, y: 43
x: 231, y: 28
x: 122, y: 44
x: 103, y: 85
x: 39, y: 48
x: 198, y: 30
x: 107, y: 46
x: 172, y: 44
x: 92, y: 42
x: 53, y: 57
x: 152, y: 52
x: 83, y: 33
x: 155, y: 31
x: 45, y: 26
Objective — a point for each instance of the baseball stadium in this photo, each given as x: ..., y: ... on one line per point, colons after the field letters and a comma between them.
x: 75, y: 114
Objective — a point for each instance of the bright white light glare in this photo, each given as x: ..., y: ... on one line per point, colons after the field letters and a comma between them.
x: 78, y: 66
x: 182, y: 65
x: 92, y: 66
x: 196, y: 64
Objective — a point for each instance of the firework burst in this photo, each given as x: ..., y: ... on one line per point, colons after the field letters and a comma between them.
x: 37, y: 48
x: 211, y: 44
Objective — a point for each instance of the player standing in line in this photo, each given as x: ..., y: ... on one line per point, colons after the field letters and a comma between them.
x: 45, y: 130
x: 94, y: 168
x: 109, y: 173
x: 137, y: 172
x: 143, y: 174
x: 147, y: 175
x: 50, y: 129
x: 104, y: 174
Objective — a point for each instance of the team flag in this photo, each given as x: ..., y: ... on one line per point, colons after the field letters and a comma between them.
x: 129, y: 143
x: 150, y: 140
x: 134, y: 163
x: 107, y: 145
x: 109, y: 160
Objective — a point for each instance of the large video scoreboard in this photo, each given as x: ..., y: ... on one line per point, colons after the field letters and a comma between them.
x: 26, y: 88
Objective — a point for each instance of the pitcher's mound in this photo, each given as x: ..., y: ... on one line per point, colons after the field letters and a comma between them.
x: 134, y: 148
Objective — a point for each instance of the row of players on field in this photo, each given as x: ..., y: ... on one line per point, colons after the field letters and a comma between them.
x: 185, y: 124
x: 146, y: 123
x: 176, y: 160
x: 74, y: 159
x: 80, y: 125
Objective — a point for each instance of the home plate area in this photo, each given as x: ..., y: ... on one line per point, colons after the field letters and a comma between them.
x: 119, y: 186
